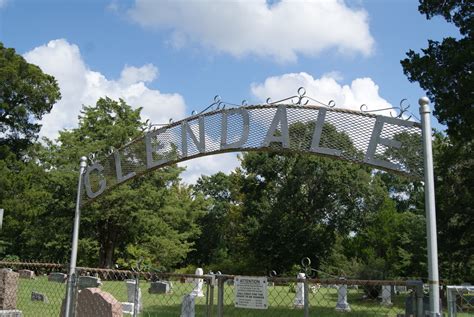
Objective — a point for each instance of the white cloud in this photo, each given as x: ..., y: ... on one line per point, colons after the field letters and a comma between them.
x: 3, y: 3
x: 82, y: 86
x: 324, y: 89
x: 241, y: 27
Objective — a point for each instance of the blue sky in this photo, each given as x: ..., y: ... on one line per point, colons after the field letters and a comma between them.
x: 172, y: 57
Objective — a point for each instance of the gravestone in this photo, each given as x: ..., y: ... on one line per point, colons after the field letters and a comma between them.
x: 299, y: 296
x: 93, y: 302
x: 26, y: 274
x: 127, y: 308
x: 386, y: 295
x: 198, y: 282
x: 188, y: 306
x: 400, y: 289
x: 57, y: 277
x: 160, y: 287
x: 8, y: 289
x: 131, y: 294
x: 39, y: 297
x: 342, y: 304
x: 11, y: 313
x: 88, y: 281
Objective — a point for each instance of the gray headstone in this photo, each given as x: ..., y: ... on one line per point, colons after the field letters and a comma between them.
x: 88, y: 281
x: 131, y: 294
x: 39, y: 297
x: 26, y: 274
x: 127, y: 308
x: 57, y: 277
x: 188, y: 306
x: 160, y: 287
x: 342, y: 304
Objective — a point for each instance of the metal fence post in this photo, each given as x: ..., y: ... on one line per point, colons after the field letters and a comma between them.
x: 74, y: 292
x: 306, y: 298
x: 433, y: 278
x: 75, y: 238
x: 220, y: 297
x: 452, y: 309
x: 136, y: 299
x: 210, y: 296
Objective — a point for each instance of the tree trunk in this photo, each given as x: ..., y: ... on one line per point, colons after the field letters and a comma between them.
x: 107, y: 239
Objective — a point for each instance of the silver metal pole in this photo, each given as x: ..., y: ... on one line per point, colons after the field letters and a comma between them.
x: 433, y: 277
x: 75, y: 239
x: 306, y: 297
x: 1, y: 218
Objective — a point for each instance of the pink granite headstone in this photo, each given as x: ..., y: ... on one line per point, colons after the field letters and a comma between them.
x: 93, y: 302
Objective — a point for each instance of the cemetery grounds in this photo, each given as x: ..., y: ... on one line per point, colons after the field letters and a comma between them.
x: 322, y: 299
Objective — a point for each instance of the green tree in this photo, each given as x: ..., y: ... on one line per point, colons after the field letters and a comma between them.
x: 26, y: 94
x: 454, y: 170
x: 151, y: 217
x: 391, y: 244
x: 217, y: 246
x: 446, y: 69
x: 294, y: 205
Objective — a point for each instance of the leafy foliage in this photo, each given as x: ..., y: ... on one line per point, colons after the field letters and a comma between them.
x: 446, y: 69
x: 26, y: 94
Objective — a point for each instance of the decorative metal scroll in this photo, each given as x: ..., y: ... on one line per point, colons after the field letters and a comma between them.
x: 386, y: 143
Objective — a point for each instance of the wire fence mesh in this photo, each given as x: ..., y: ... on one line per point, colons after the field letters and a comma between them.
x: 39, y: 289
x: 460, y: 300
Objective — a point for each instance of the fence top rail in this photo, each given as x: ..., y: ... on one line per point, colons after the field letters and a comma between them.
x: 32, y: 264
x: 333, y: 281
x: 146, y: 274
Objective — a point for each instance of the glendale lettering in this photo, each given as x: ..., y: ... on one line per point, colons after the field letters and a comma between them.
x: 202, y: 135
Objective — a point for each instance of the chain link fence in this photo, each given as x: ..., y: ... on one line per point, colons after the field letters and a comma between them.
x: 460, y: 300
x: 39, y: 289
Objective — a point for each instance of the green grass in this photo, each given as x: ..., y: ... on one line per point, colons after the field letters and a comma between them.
x: 169, y: 305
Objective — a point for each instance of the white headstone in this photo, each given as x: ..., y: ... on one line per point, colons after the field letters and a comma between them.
x: 131, y: 294
x: 188, y: 306
x: 342, y: 304
x: 198, y: 282
x: 299, y: 297
x: 386, y: 295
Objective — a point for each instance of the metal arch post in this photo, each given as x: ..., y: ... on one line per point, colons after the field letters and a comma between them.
x: 69, y: 311
x: 430, y: 209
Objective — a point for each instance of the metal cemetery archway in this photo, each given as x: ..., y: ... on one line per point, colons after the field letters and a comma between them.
x: 383, y: 142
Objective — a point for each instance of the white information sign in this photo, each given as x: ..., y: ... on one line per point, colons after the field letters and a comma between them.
x: 251, y: 292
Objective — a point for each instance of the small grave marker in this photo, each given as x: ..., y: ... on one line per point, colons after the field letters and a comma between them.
x: 88, y: 281
x: 39, y: 297
x: 159, y: 287
x: 26, y: 274
x: 57, y: 277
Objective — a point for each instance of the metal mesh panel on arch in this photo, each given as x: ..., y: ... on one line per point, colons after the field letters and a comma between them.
x: 385, y: 143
